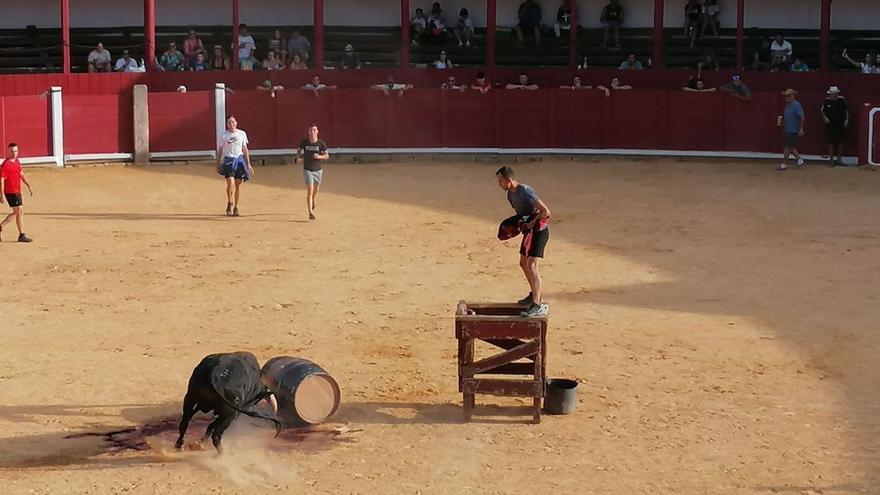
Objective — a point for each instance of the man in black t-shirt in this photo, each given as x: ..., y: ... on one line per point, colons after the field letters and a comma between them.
x: 612, y: 18
x: 312, y: 151
x: 835, y: 113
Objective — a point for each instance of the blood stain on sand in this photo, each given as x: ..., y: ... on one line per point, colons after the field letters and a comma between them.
x: 160, y: 434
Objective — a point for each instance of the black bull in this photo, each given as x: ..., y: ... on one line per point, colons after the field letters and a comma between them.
x: 229, y: 385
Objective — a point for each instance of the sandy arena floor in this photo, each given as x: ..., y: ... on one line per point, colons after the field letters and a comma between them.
x: 721, y: 316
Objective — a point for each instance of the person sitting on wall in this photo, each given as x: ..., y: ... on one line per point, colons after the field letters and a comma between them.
x: 316, y: 85
x: 737, y: 88
x: 481, y: 84
x: 464, y: 31
x: 199, y: 63
x: 271, y: 88
x: 298, y: 44
x: 172, y: 60
x: 126, y: 63
x: 418, y: 26
x: 272, y: 62
x: 391, y: 85
x: 577, y: 84
x: 523, y: 83
x: 451, y: 85
x: 349, y: 60
x: 631, y: 63
x: 298, y: 63
x: 219, y: 61
x: 100, y: 59
x: 529, y: 15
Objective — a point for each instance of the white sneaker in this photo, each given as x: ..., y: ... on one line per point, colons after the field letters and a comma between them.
x: 467, y: 43
x: 460, y: 44
x: 782, y: 167
x: 801, y: 162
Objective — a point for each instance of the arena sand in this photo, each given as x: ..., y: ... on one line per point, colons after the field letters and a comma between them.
x: 721, y: 317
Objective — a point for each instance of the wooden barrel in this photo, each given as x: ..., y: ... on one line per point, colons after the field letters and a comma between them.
x: 306, y: 394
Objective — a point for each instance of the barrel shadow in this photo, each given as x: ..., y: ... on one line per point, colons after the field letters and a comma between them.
x: 414, y: 413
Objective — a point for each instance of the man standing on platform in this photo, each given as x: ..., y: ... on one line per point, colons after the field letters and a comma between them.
x: 312, y: 151
x: 536, y: 233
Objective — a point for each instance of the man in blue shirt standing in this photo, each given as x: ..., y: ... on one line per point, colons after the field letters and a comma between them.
x: 535, y: 219
x: 792, y: 122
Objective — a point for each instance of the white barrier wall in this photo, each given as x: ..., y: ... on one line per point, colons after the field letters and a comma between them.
x: 848, y: 14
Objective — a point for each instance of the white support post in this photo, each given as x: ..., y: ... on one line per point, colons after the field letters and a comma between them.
x: 219, y: 113
x: 57, y: 126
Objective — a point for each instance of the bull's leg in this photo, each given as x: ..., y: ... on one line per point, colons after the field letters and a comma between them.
x: 189, y: 409
x: 227, y: 416
x: 210, y: 429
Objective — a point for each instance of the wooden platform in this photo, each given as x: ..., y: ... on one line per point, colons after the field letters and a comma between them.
x: 524, y: 344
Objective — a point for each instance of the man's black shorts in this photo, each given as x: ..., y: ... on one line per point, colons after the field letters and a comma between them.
x: 13, y: 200
x: 836, y: 133
x: 534, y: 242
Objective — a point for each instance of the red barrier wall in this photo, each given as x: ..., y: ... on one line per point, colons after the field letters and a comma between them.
x: 98, y: 124
x: 26, y: 121
x: 634, y: 119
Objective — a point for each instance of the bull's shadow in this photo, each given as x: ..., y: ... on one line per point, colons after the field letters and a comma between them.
x: 411, y: 413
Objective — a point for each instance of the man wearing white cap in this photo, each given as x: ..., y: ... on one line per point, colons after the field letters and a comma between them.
x: 835, y: 114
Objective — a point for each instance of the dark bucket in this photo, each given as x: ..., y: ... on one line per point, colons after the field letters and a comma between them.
x: 306, y: 394
x: 560, y: 396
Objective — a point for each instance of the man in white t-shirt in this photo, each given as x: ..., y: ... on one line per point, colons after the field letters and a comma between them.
x: 316, y: 85
x: 780, y: 53
x: 246, y: 47
x: 233, y: 163
x: 100, y: 59
x: 127, y: 64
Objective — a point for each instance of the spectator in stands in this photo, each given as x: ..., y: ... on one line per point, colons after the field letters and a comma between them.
x: 737, y: 88
x: 100, y: 59
x: 693, y: 19
x: 792, y: 122
x: 442, y: 61
x: 523, y: 83
x: 181, y: 89
x: 316, y: 85
x: 780, y: 53
x: 418, y: 25
x: 711, y: 10
x: 697, y: 85
x: 271, y: 88
x: 172, y: 60
x: 799, y: 66
x: 481, y: 84
x: 220, y: 61
x: 392, y: 85
x: 298, y: 44
x: 835, y: 114
x: 529, y: 15
x: 297, y: 63
x: 760, y: 53
x: 278, y: 44
x: 867, y: 67
x: 126, y: 63
x: 631, y: 63
x: 192, y: 46
x: 246, y: 48
x: 612, y: 19
x: 563, y: 19
x: 464, y: 30
x: 451, y: 85
x: 616, y: 85
x: 350, y: 60
x: 709, y: 62
x: 577, y: 84
x: 272, y: 62
x: 436, y: 25
x: 199, y: 63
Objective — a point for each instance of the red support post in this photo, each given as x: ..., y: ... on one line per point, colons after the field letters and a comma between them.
x: 150, y: 34
x: 573, y: 50
x: 235, y: 23
x: 491, y: 13
x: 65, y: 36
x: 825, y: 36
x: 404, y: 34
x: 740, y: 34
x: 319, y: 34
x: 658, y: 34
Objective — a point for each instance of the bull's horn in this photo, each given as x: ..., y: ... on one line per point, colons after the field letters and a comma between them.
x: 273, y: 403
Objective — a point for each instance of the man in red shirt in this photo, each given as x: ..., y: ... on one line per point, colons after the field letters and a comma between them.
x: 11, y: 177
